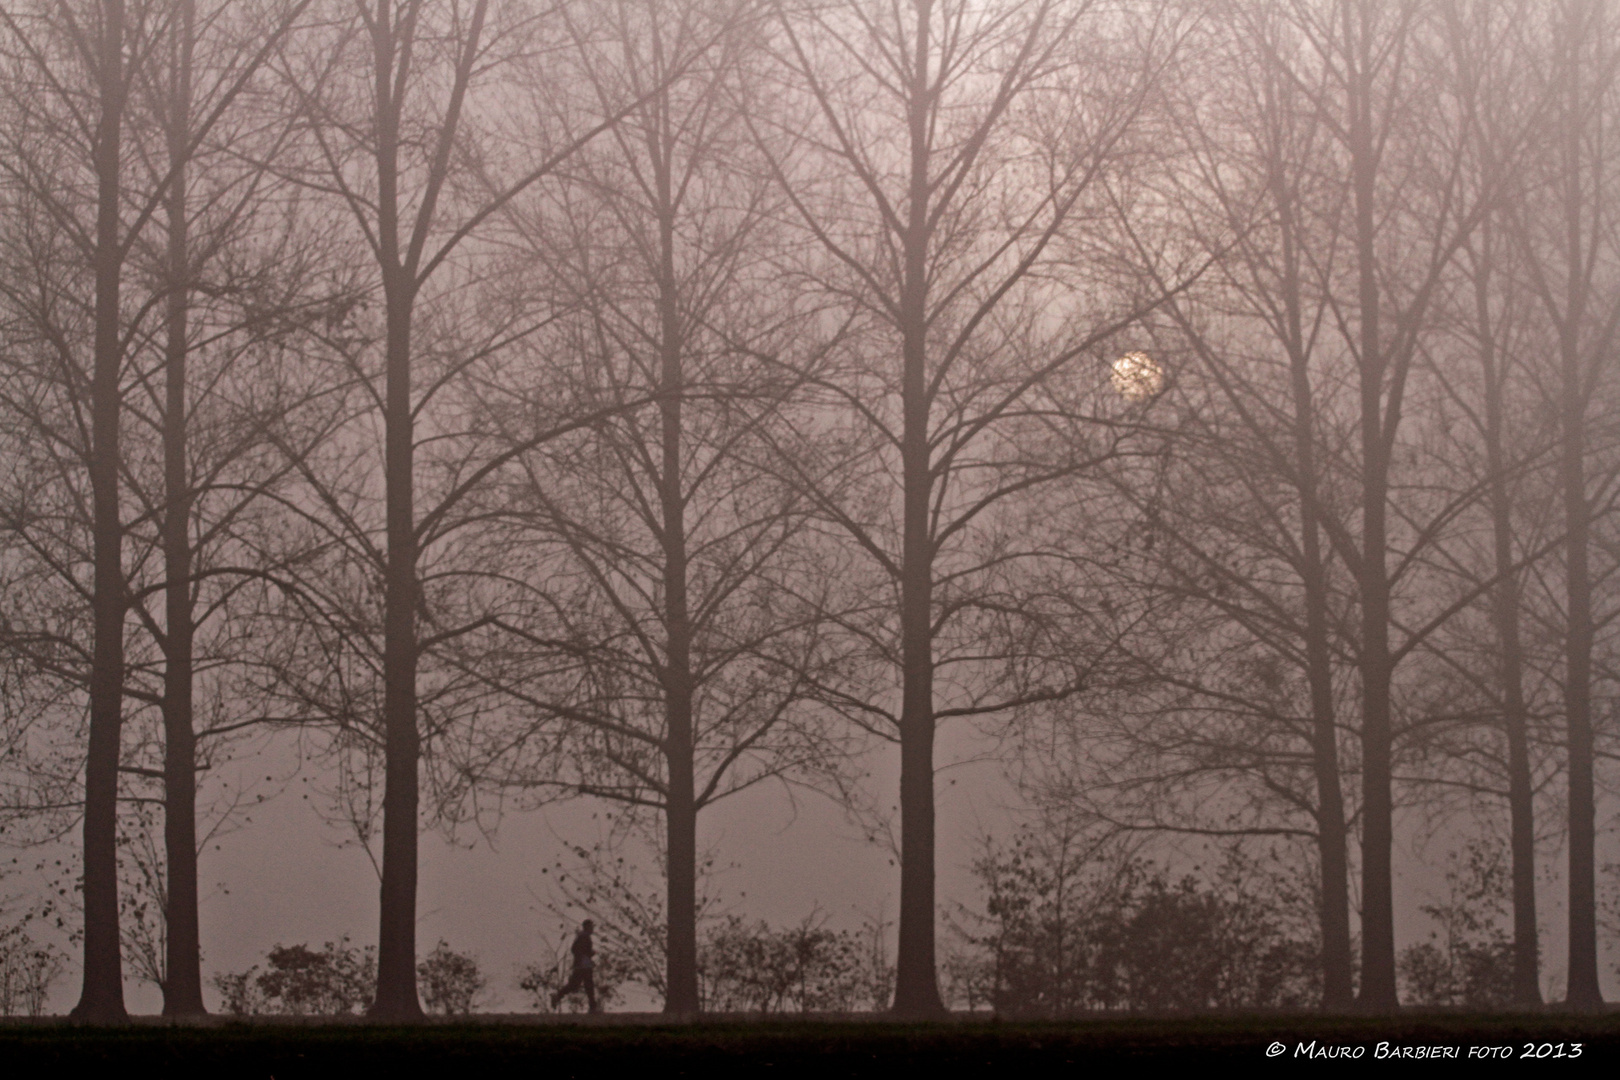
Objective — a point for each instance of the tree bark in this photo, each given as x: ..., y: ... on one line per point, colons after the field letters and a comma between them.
x: 680, y: 812
x: 102, y: 997
x: 1332, y: 832
x: 182, y: 986
x: 680, y: 807
x: 1333, y: 840
x: 1378, y: 992
x: 396, y: 940
x: 1583, y: 991
x: 1521, y: 804
x: 397, y: 998
x: 1510, y: 665
x: 916, y: 988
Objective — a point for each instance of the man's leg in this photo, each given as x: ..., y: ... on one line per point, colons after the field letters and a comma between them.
x: 573, y: 984
x: 590, y: 988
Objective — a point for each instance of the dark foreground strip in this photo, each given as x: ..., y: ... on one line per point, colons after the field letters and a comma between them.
x: 765, y: 1050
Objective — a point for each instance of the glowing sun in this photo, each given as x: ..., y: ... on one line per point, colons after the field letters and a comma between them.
x: 1137, y: 376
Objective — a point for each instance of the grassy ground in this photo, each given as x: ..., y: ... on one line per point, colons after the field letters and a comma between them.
x: 616, y: 1045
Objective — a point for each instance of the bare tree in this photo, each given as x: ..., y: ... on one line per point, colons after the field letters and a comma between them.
x: 71, y: 77
x: 656, y: 647
x: 1257, y: 200
x: 1494, y: 314
x: 1566, y: 232
x: 1257, y: 523
x: 942, y: 163
x: 1403, y: 170
x: 408, y: 151
x: 115, y: 254
x: 1505, y: 438
x: 181, y: 111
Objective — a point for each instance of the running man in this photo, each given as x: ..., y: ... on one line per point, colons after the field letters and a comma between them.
x: 584, y: 974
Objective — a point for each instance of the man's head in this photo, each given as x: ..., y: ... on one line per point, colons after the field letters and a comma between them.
x: 589, y: 926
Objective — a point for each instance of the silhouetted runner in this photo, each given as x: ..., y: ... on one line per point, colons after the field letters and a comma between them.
x: 584, y: 974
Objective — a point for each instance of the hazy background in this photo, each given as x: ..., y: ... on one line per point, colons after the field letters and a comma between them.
x: 1228, y: 426
x: 288, y: 877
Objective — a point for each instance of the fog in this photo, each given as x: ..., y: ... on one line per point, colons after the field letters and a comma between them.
x: 1042, y: 507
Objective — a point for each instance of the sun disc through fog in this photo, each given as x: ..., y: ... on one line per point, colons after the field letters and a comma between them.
x: 1137, y: 376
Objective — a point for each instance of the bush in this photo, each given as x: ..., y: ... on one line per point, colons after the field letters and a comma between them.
x: 1469, y: 960
x: 1190, y: 945
x: 27, y: 971
x: 744, y: 967
x: 340, y: 980
x: 450, y: 982
x: 806, y: 968
x: 1062, y: 929
x: 969, y: 977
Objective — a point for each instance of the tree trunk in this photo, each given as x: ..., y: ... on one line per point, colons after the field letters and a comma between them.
x: 397, y: 998
x: 1378, y: 992
x: 396, y: 939
x: 916, y: 987
x: 1510, y: 669
x: 102, y: 997
x: 680, y: 813
x: 1332, y: 833
x: 1377, y: 913
x: 1331, y: 830
x: 1584, y: 992
x: 1521, y: 805
x: 182, y: 986
x: 680, y: 808
x: 916, y: 982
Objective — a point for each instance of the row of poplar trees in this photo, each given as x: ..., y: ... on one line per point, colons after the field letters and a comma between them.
x: 650, y: 399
